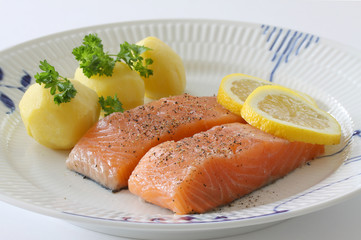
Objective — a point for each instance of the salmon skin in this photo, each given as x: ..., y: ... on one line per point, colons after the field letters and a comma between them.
x: 213, y: 168
x: 110, y: 150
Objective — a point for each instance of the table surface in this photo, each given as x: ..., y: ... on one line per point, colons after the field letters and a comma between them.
x: 25, y: 20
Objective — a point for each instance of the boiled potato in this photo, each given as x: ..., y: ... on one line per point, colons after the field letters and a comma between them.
x: 169, y: 77
x: 124, y: 82
x: 58, y: 126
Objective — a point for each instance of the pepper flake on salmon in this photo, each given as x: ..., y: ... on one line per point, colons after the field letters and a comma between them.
x: 215, y: 167
x: 110, y: 150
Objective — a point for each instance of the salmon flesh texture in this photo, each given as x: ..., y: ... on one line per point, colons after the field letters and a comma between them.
x: 110, y: 150
x: 213, y: 168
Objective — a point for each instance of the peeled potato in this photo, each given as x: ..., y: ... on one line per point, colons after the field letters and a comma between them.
x: 58, y: 126
x: 124, y: 82
x: 169, y: 77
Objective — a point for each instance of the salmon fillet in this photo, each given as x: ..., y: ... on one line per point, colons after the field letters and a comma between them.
x: 215, y: 167
x: 110, y: 150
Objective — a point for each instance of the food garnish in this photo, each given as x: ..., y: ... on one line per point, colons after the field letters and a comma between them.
x: 62, y: 89
x: 110, y: 105
x: 281, y: 111
x: 286, y: 114
x: 94, y: 61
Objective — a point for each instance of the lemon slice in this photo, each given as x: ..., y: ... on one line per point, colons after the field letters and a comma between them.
x: 235, y: 88
x: 286, y: 114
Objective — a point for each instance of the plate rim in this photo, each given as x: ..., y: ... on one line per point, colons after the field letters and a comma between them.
x: 350, y: 49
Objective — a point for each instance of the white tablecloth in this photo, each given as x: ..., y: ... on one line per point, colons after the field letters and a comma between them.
x: 24, y: 20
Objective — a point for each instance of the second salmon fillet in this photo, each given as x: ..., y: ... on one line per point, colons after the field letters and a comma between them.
x: 215, y: 167
x: 109, y: 151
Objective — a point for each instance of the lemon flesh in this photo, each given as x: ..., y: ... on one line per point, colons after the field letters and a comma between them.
x: 286, y: 114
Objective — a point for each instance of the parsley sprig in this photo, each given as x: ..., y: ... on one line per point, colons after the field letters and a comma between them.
x: 61, y: 87
x: 110, y: 105
x: 94, y: 61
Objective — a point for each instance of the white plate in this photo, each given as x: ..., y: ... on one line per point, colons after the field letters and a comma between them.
x: 35, y: 178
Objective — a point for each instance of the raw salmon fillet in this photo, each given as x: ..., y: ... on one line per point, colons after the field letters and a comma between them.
x: 110, y: 150
x: 215, y: 167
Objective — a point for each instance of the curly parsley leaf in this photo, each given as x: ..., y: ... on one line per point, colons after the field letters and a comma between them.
x: 93, y: 60
x: 131, y: 55
x: 110, y: 105
x: 62, y: 89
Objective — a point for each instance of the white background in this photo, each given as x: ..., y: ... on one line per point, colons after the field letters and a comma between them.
x: 25, y: 20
